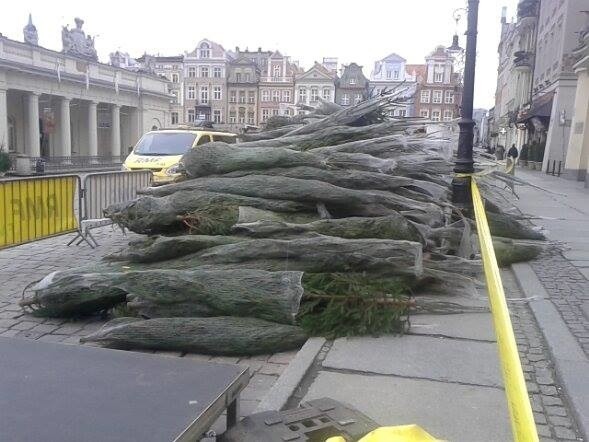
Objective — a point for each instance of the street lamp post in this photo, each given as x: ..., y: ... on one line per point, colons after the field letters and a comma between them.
x: 464, y: 163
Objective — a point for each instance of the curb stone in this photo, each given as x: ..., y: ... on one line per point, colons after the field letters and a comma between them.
x: 570, y: 361
x: 289, y: 380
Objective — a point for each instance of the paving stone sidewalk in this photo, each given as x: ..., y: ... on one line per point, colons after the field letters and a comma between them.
x: 30, y: 262
x: 565, y: 216
x: 444, y: 376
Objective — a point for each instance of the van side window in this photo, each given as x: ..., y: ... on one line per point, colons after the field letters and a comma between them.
x: 225, y: 138
x: 204, y: 140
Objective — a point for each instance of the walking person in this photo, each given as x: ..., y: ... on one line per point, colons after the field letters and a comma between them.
x: 512, y: 155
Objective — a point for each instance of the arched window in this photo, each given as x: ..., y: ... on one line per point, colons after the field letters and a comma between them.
x: 205, y: 50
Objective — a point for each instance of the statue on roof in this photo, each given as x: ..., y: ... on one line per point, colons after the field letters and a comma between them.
x: 76, y: 43
x: 30, y: 33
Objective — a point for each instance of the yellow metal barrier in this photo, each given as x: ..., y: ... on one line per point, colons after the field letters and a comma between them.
x: 35, y: 208
x: 520, y: 410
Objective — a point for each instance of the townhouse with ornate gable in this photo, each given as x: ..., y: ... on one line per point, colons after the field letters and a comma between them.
x: 352, y: 87
x: 316, y: 82
x: 390, y: 74
x: 276, y: 87
x: 205, y: 83
x: 243, y: 75
x: 439, y: 95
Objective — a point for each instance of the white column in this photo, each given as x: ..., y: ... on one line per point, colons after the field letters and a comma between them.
x: 33, y: 145
x: 3, y: 121
x: 65, y: 135
x: 93, y: 129
x: 115, y: 131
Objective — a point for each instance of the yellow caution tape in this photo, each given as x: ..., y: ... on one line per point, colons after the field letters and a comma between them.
x: 520, y: 410
x: 399, y: 433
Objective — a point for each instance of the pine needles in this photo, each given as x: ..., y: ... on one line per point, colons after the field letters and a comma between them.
x: 338, y: 304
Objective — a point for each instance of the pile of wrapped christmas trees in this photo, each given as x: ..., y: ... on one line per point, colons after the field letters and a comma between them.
x: 336, y: 223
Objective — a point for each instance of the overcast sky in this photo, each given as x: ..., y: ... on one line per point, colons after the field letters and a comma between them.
x: 307, y: 30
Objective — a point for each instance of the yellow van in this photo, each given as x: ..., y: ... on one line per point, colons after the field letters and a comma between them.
x: 161, y: 150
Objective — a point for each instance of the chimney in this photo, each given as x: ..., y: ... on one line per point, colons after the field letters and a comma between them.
x: 237, y: 49
x: 504, y: 14
x: 259, y: 49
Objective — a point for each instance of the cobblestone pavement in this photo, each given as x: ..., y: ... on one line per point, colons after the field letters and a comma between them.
x: 569, y: 291
x: 551, y: 411
x: 27, y: 263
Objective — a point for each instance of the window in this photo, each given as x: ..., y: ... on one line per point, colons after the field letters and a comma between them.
x: 437, y: 97
x: 250, y: 118
x: 424, y: 113
x: 265, y: 95
x: 275, y: 112
x: 191, y: 115
x: 425, y: 96
x: 175, y: 78
x: 302, y: 95
x: 449, y: 97
x: 247, y: 78
x: 358, y: 98
x: 275, y: 95
x: 251, y: 97
x: 175, y: 94
x: 435, y: 115
x: 448, y: 114
x: 242, y: 96
x: 204, y: 71
x: 174, y: 117
x: 326, y: 94
x: 396, y: 75
x: 265, y: 114
x: 216, y: 92
x: 402, y: 112
x: 216, y: 116
x: 217, y: 72
x: 276, y: 73
x: 389, y: 74
x: 345, y: 99
x: 314, y: 94
x: 287, y: 112
x: 232, y: 96
x: 191, y: 72
x: 241, y: 115
x: 238, y: 77
x: 352, y: 81
x: 205, y: 50
x: 204, y: 95
x: 203, y: 140
x: 286, y: 96
x: 232, y: 117
x: 191, y: 93
x: 438, y: 77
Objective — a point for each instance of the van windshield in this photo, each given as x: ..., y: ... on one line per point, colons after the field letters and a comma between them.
x: 163, y: 143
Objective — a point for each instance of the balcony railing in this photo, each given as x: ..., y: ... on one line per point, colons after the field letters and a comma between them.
x: 276, y: 79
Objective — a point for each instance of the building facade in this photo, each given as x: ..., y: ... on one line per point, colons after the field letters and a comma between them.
x: 60, y: 106
x: 276, y: 87
x: 554, y: 79
x: 172, y: 70
x: 205, y: 83
x: 390, y: 74
x: 352, y: 86
x: 243, y: 75
x: 439, y: 94
x: 577, y: 158
x: 317, y: 82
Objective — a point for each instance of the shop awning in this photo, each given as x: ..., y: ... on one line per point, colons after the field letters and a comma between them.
x: 540, y: 108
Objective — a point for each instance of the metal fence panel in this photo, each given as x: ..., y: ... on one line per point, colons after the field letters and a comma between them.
x: 106, y: 188
x: 35, y: 208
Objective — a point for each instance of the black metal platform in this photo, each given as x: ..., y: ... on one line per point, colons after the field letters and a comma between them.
x: 54, y: 392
